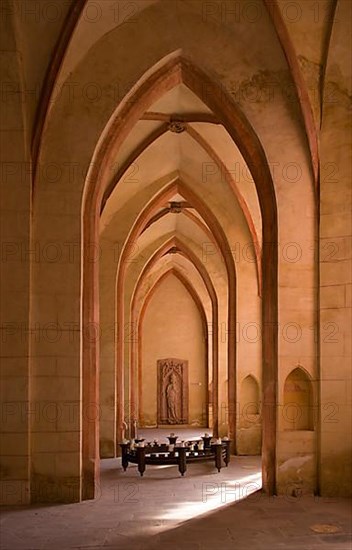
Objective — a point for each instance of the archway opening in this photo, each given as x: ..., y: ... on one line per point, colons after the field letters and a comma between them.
x: 173, y: 370
x: 228, y: 309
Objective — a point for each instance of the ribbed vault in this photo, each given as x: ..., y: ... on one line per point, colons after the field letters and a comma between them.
x: 179, y: 173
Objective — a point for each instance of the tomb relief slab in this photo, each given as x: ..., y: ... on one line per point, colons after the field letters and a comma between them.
x: 172, y: 391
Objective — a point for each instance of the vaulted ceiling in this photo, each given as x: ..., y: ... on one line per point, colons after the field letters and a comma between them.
x: 56, y: 37
x: 178, y: 138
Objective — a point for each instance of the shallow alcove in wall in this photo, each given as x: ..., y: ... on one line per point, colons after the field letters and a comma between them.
x: 249, y: 436
x: 298, y: 401
x: 297, y: 464
x: 172, y: 328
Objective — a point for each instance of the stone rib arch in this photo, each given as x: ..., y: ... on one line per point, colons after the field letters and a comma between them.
x: 186, y: 283
x: 151, y: 139
x: 166, y: 74
x: 193, y: 218
x: 135, y: 364
x: 66, y: 41
x: 300, y: 84
x: 211, y: 221
x: 186, y: 251
x: 51, y: 77
x: 239, y: 197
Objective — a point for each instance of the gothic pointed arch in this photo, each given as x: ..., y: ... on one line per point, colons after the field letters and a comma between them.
x: 166, y: 74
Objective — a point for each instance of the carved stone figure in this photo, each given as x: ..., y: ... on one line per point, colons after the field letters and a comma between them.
x: 172, y: 391
x: 172, y: 400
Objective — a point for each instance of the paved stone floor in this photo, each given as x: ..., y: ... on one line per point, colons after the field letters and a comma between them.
x: 205, y: 510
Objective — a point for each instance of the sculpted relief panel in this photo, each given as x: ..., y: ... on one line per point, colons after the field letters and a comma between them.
x: 172, y: 391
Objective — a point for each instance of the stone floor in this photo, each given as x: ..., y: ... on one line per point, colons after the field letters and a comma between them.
x: 205, y: 510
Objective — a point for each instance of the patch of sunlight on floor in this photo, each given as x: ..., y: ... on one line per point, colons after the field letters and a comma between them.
x: 214, y: 496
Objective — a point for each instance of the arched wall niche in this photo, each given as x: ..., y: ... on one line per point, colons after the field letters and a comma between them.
x: 249, y: 395
x: 167, y: 74
x: 297, y: 465
x: 249, y: 421
x: 298, y: 411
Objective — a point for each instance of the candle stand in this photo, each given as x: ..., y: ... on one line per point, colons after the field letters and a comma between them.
x: 159, y: 454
